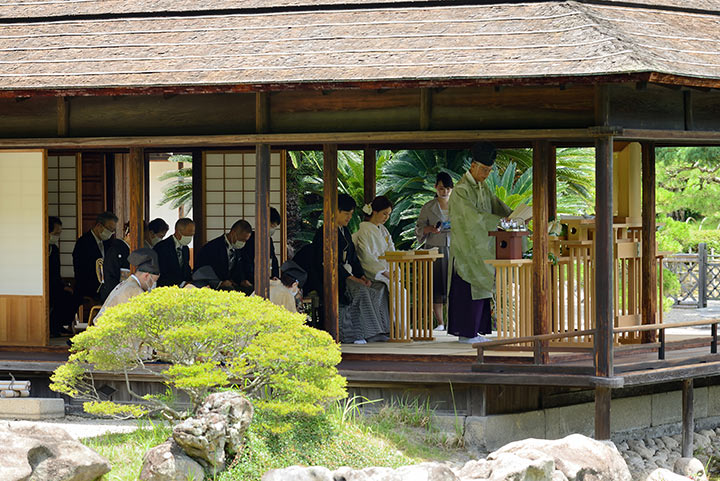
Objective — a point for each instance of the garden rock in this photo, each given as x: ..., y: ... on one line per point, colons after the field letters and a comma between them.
x: 661, y: 474
x: 298, y: 473
x: 44, y: 453
x: 577, y: 456
x: 527, y: 466
x: 217, y: 428
x: 691, y: 468
x: 168, y: 462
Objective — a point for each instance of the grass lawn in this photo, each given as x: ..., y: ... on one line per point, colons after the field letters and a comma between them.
x: 393, y: 436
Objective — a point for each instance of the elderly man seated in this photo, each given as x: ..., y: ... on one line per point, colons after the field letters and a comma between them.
x: 146, y: 275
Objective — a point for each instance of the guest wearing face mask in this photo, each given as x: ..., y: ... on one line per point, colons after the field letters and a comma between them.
x: 174, y: 255
x: 225, y: 255
x: 248, y: 252
x: 283, y: 291
x: 114, y: 262
x: 90, y: 247
x: 62, y: 304
x: 143, y: 280
x: 155, y: 231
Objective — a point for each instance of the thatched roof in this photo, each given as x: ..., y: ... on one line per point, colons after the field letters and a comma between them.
x: 312, y: 42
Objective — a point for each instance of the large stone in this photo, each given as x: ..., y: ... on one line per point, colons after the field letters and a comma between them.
x: 665, y: 475
x: 524, y: 466
x: 216, y: 430
x: 479, y: 469
x: 167, y: 462
x: 45, y: 453
x: 578, y: 457
x: 690, y: 467
x: 299, y: 473
x: 32, y: 408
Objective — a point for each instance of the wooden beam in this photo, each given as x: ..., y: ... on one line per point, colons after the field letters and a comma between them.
x: 330, y: 242
x: 540, y: 288
x: 136, y: 205
x: 672, y: 137
x: 369, y: 167
x: 604, y: 312
x: 198, y: 214
x: 307, y: 139
x: 688, y: 418
x: 603, y: 398
x: 63, y: 116
x: 425, y: 108
x: 649, y: 298
x: 262, y: 112
x: 262, y: 221
x: 552, y: 183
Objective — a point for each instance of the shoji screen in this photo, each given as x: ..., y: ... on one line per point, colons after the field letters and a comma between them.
x: 23, y: 244
x: 62, y: 202
x: 229, y: 179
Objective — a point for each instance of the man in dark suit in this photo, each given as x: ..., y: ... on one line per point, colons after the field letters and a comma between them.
x: 62, y: 303
x: 90, y: 247
x: 174, y: 255
x: 116, y: 259
x: 248, y: 252
x: 224, y: 255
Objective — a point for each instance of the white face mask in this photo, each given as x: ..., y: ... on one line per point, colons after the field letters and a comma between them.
x: 105, y: 234
x: 239, y: 244
x: 294, y: 290
x: 272, y: 231
x: 185, y: 240
x: 54, y: 239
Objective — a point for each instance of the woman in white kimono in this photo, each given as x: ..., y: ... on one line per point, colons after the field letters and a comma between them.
x: 433, y: 230
x: 373, y: 240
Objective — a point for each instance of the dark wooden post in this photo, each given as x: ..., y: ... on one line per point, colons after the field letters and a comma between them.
x: 649, y: 263
x: 198, y: 207
x: 688, y: 418
x: 330, y: 241
x: 136, y: 207
x: 262, y: 220
x: 552, y: 183
x: 702, y: 275
x: 425, y: 108
x: 63, y: 116
x: 369, y: 166
x: 540, y: 291
x: 604, y: 314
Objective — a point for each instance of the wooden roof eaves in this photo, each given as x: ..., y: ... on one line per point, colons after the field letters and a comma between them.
x: 560, y: 81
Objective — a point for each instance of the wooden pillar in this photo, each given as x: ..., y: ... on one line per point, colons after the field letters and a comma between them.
x: 136, y: 206
x: 262, y: 220
x: 649, y: 265
x: 425, y: 108
x: 540, y: 291
x: 602, y: 412
x: 63, y: 116
x: 262, y: 112
x: 198, y: 208
x: 552, y: 183
x: 330, y: 241
x: 369, y: 166
x: 688, y: 418
x: 604, y: 313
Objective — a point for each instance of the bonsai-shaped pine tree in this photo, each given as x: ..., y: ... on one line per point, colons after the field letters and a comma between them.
x: 199, y: 341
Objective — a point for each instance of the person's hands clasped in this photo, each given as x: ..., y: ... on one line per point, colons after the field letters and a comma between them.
x: 431, y: 229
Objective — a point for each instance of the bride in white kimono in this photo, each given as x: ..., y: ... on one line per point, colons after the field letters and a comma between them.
x: 373, y: 240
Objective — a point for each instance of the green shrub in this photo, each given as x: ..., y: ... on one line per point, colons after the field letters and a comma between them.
x: 210, y: 340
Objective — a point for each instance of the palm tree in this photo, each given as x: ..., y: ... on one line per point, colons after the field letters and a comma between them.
x: 178, y: 192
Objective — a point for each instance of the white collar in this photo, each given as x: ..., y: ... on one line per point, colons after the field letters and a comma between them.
x: 177, y: 242
x: 97, y: 239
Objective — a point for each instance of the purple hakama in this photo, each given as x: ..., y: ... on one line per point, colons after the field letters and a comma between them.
x: 466, y: 317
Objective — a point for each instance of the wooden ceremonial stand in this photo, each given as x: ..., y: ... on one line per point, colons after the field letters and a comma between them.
x: 411, y: 294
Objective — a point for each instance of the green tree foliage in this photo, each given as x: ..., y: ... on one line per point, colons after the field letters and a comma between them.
x: 688, y: 183
x: 178, y: 191
x: 207, y: 340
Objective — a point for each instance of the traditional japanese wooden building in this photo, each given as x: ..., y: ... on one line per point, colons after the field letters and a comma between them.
x: 89, y: 89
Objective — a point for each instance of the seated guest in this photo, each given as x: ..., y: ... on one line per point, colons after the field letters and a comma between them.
x: 62, y: 303
x: 364, y: 314
x: 284, y: 291
x: 373, y: 240
x: 90, y: 247
x: 248, y: 252
x: 146, y: 275
x: 114, y: 261
x: 174, y: 255
x: 155, y: 231
x: 224, y: 255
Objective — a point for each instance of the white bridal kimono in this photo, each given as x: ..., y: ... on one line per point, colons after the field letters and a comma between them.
x: 371, y: 242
